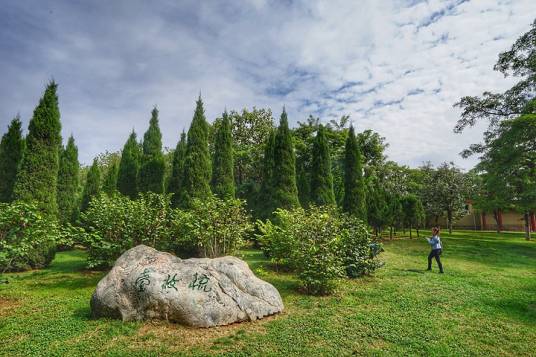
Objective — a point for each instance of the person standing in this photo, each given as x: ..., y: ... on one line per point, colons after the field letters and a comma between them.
x: 435, y: 243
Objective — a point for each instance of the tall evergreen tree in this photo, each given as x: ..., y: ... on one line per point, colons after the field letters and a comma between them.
x: 222, y: 162
x: 197, y: 170
x: 177, y: 171
x: 266, y: 203
x: 11, y: 151
x: 38, y: 175
x: 127, y: 179
x: 93, y: 185
x: 285, y: 191
x: 68, y: 181
x: 151, y: 176
x: 321, y: 177
x: 109, y: 185
x: 354, y: 200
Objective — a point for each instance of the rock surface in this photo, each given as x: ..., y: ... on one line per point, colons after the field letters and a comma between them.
x: 148, y: 284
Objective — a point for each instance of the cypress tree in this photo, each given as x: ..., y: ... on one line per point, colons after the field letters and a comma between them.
x: 197, y: 170
x: 321, y: 177
x: 109, y: 186
x: 266, y: 202
x: 354, y: 200
x: 11, y: 151
x: 285, y: 191
x: 38, y: 175
x: 92, y: 187
x: 222, y: 164
x: 127, y: 178
x: 68, y: 181
x: 151, y: 176
x: 177, y: 171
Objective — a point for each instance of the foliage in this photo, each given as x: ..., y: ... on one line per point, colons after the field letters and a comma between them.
x: 151, y: 174
x: 177, y: 171
x: 321, y: 177
x: 197, y: 166
x: 93, y: 185
x: 266, y: 204
x: 109, y: 184
x: 127, y: 178
x: 11, y: 152
x: 519, y: 61
x: 115, y: 224
x: 284, y: 190
x: 413, y: 212
x: 68, y: 183
x: 27, y: 237
x: 37, y: 178
x: 223, y: 184
x: 354, y: 201
x: 215, y: 226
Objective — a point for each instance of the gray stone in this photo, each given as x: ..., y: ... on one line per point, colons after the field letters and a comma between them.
x: 148, y: 284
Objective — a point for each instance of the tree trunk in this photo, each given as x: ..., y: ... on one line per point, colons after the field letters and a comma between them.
x: 449, y: 221
x: 497, y: 220
x: 418, y: 236
x: 410, y: 232
x: 527, y: 225
x: 391, y: 233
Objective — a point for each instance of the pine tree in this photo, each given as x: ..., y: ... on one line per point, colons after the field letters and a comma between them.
x: 266, y: 202
x: 177, y: 171
x: 354, y: 200
x: 93, y: 185
x: 197, y: 170
x: 321, y: 177
x: 38, y: 175
x: 109, y: 186
x: 68, y: 181
x: 285, y: 191
x: 11, y: 152
x: 151, y: 176
x: 222, y: 164
x: 127, y: 179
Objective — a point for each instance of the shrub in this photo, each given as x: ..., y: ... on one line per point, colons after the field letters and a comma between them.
x: 320, y: 244
x: 115, y: 224
x: 27, y: 237
x: 212, y: 227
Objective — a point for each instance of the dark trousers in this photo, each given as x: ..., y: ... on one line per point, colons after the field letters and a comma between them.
x: 435, y: 253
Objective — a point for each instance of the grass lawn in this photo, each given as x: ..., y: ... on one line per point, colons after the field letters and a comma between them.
x: 485, y: 304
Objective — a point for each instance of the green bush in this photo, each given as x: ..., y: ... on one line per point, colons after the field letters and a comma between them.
x: 116, y: 224
x: 212, y: 227
x: 320, y: 244
x: 27, y: 237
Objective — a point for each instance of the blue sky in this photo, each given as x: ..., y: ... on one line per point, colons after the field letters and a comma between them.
x: 394, y: 66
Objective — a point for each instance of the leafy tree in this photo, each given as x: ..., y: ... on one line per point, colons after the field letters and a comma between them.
x: 177, y: 171
x: 68, y: 182
x: 489, y: 194
x: 93, y: 185
x: 511, y: 160
x: 109, y: 185
x: 197, y: 166
x: 375, y: 198
x: 519, y: 61
x: 285, y: 191
x: 11, y: 152
x: 413, y: 212
x: 222, y: 165
x: 151, y: 175
x: 37, y: 178
x: 392, y: 213
x: 127, y: 179
x: 354, y: 201
x: 321, y: 178
x: 372, y: 147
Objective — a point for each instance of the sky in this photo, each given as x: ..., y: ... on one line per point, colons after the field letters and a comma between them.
x: 396, y: 67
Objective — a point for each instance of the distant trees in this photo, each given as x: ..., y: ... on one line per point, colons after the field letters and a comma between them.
x: 151, y: 174
x: 38, y: 175
x: 68, y: 182
x: 321, y: 177
x: 109, y: 184
x: 354, y: 201
x: 197, y: 165
x: 222, y: 183
x: 177, y: 171
x: 93, y: 185
x: 11, y: 151
x: 127, y: 179
x: 267, y: 205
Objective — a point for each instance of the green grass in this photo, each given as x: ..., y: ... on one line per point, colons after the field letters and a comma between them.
x: 485, y: 304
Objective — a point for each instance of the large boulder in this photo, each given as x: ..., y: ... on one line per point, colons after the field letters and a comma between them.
x: 147, y: 284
